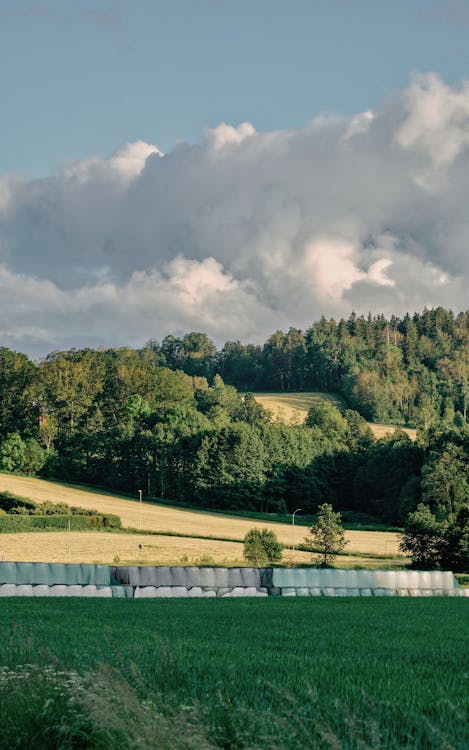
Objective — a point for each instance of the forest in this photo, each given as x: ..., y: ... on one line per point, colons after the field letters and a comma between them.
x: 178, y: 419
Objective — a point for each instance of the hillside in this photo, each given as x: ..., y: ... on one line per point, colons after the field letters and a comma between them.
x: 292, y: 408
x: 161, y: 518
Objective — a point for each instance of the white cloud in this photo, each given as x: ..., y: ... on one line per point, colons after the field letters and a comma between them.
x: 245, y: 232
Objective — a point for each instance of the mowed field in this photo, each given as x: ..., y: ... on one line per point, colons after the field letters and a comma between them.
x: 292, y: 408
x: 222, y: 534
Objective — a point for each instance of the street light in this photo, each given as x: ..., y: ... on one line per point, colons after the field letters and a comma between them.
x: 293, y: 529
x: 140, y: 510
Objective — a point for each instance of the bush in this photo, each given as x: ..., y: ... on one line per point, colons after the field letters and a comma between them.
x: 423, y: 538
x: 261, y: 547
x: 455, y: 546
x: 17, y: 523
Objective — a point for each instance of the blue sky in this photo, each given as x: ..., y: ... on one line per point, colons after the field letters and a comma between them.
x: 83, y: 77
x: 228, y: 167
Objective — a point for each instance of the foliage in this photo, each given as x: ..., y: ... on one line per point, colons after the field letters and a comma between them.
x: 455, y: 547
x: 422, y: 538
x: 327, y: 535
x: 12, y: 523
x: 261, y: 547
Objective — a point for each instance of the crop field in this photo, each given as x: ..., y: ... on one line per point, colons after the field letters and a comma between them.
x: 292, y: 408
x: 169, y: 519
x: 260, y: 674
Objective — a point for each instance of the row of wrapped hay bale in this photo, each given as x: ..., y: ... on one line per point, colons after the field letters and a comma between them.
x: 57, y: 579
x: 51, y: 574
x: 42, y: 589
x: 353, y: 580
x: 189, y: 577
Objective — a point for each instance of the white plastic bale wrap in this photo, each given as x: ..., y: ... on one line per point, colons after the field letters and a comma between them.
x: 413, y: 579
x: 147, y: 576
x: 8, y: 589
x: 89, y: 590
x: 315, y: 591
x: 59, y: 589
x: 42, y: 589
x: 104, y: 592
x: 126, y: 575
x: 118, y: 592
x: 41, y: 574
x: 447, y: 580
x: 328, y: 591
x: 415, y: 592
x: 207, y: 577
x: 250, y: 577
x: 366, y: 592
x: 75, y: 590
x: 353, y: 592
x: 340, y: 591
x: 145, y: 592
x: 24, y: 589
x: 302, y: 591
x: 195, y: 591
x: 402, y: 592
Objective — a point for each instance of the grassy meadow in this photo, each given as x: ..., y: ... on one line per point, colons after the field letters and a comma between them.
x: 272, y: 674
x: 198, y: 535
x: 292, y: 408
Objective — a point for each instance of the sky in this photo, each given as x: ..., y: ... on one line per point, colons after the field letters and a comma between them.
x: 178, y: 165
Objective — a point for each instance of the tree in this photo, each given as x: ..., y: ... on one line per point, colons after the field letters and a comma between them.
x: 261, y: 547
x: 12, y: 453
x: 455, y: 547
x: 328, y: 535
x: 422, y: 539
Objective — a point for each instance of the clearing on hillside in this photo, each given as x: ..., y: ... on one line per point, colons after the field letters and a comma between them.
x: 292, y: 408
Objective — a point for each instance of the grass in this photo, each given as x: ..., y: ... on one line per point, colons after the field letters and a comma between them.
x: 164, y: 518
x: 273, y: 674
x: 293, y: 408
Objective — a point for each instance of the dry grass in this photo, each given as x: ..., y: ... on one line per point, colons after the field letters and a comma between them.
x: 123, y: 549
x: 161, y: 518
x: 292, y: 408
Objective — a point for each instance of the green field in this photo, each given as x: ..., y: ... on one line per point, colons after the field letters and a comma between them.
x: 266, y: 674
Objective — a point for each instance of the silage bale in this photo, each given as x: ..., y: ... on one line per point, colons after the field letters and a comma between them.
x: 163, y: 592
x: 178, y: 591
x: 144, y: 592
x: 288, y: 591
x: 24, y: 573
x: 366, y: 592
x: 104, y: 592
x: 366, y: 579
x: 402, y: 592
x: 7, y: 572
x: 147, y: 576
x: 195, y: 591
x: 118, y: 592
x: 413, y: 579
x: 126, y: 575
x: 89, y: 590
x: 379, y: 591
x: 251, y: 577
x: 302, y: 591
x: 328, y: 591
x: 40, y: 574
x: 191, y: 576
x: 340, y: 591
x: 331, y: 578
x: 42, y: 589
x: 415, y: 592
x: 385, y: 579
x: 75, y: 590
x: 282, y: 578
x: 8, y: 589
x: 57, y: 574
x: 58, y: 589
x: 72, y: 574
x: 266, y: 575
x: 233, y: 578
x: 352, y: 592
x: 24, y: 589
x: 315, y: 591
x: 401, y: 579
x: 207, y: 577
x: 448, y: 580
x: 177, y: 576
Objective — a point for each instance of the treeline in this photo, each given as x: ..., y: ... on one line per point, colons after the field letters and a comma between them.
x: 118, y: 418
x: 412, y: 370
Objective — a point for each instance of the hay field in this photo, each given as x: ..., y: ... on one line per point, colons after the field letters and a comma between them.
x: 292, y: 408
x: 123, y: 549
x: 162, y: 518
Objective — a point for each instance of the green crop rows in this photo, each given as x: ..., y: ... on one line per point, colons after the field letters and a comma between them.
x: 297, y: 673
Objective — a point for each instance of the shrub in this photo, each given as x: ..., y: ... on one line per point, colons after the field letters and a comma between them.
x: 261, y: 547
x: 19, y: 522
x: 423, y: 537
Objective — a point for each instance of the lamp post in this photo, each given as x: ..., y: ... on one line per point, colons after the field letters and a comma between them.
x: 293, y: 529
x: 140, y: 510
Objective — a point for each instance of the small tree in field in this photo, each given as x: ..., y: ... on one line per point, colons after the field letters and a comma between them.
x: 327, y: 534
x: 261, y: 547
x: 423, y: 538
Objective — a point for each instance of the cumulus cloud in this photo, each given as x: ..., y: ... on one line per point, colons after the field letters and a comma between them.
x: 245, y: 232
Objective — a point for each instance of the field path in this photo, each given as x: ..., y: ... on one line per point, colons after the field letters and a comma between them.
x: 162, y: 518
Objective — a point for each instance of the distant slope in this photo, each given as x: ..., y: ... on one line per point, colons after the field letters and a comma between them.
x: 292, y: 408
x: 162, y: 518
